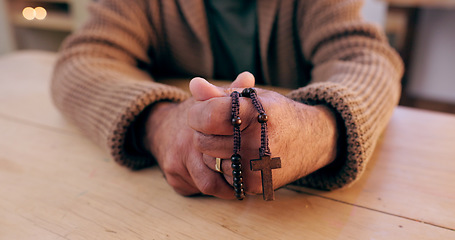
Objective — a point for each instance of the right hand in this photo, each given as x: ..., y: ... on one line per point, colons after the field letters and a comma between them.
x: 170, y: 140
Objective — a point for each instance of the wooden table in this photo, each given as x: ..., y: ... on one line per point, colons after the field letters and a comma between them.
x: 56, y: 184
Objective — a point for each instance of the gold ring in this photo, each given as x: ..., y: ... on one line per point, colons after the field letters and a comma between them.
x: 218, y: 165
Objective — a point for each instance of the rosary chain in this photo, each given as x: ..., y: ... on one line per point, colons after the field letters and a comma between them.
x: 236, y: 158
x: 236, y: 122
x: 262, y: 119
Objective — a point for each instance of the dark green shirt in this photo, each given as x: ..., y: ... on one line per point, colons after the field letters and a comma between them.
x: 234, y: 37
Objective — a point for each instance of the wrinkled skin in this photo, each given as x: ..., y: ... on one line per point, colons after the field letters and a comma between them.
x: 186, y: 137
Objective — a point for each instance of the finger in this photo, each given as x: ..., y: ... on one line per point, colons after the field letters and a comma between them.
x: 181, y: 186
x: 251, y: 179
x: 208, y: 181
x: 213, y: 117
x: 243, y: 80
x: 225, y: 164
x: 221, y: 146
x: 203, y: 90
x: 252, y: 182
x: 179, y: 178
x: 229, y: 179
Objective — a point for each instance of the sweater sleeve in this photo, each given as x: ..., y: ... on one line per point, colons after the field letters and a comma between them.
x: 357, y: 74
x: 98, y: 82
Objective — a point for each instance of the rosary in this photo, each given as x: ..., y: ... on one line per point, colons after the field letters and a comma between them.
x: 265, y: 163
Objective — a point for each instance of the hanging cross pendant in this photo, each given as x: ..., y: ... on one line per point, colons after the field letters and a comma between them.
x: 266, y: 164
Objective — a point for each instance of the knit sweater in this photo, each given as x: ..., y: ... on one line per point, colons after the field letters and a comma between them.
x: 108, y: 71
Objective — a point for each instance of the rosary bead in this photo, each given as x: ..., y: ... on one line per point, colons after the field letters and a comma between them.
x: 262, y: 118
x: 238, y: 185
x: 240, y: 196
x: 236, y: 121
x: 239, y: 191
x: 236, y: 165
x: 236, y: 158
x: 237, y: 173
x: 247, y: 92
x: 237, y: 179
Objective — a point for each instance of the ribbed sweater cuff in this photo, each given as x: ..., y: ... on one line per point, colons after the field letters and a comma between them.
x: 116, y: 143
x: 350, y: 164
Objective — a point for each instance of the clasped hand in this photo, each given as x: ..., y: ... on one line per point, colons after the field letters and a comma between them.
x: 185, y: 138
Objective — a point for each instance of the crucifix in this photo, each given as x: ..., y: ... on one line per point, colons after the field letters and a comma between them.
x: 266, y: 164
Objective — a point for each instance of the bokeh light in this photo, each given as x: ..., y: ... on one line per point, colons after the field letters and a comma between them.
x: 29, y: 13
x: 41, y: 13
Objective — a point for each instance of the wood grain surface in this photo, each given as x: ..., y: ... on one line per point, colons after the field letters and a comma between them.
x: 56, y: 184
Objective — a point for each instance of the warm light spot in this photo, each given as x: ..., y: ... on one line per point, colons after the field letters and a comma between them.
x: 29, y: 13
x: 41, y: 13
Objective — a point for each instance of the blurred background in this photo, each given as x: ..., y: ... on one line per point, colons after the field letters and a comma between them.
x: 422, y: 31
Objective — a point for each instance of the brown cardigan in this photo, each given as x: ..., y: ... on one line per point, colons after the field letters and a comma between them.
x: 105, y: 74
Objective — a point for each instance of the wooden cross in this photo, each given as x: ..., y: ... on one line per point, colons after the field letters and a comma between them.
x: 266, y: 164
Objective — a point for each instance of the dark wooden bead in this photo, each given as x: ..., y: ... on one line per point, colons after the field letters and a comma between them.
x: 236, y: 165
x: 237, y: 173
x: 236, y: 158
x: 237, y: 185
x: 238, y: 179
x: 239, y: 191
x: 240, y: 196
x: 262, y: 118
x: 236, y: 121
x: 247, y: 92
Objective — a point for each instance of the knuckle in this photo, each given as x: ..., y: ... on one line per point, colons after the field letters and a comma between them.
x: 168, y: 169
x: 208, y: 187
x: 173, y: 182
x: 216, y: 118
x: 179, y: 187
x: 176, y: 185
x: 172, y: 167
x: 200, y: 141
x: 210, y: 118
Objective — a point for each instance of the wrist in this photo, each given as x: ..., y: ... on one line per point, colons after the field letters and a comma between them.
x: 311, y: 142
x: 338, y: 155
x: 324, y: 121
x: 153, y: 126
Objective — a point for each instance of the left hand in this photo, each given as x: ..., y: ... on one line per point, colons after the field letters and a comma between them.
x: 303, y: 136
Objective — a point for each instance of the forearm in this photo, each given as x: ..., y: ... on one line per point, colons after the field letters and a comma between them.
x: 313, y: 141
x: 330, y: 132
x: 155, y: 127
x: 356, y: 74
x: 97, y: 83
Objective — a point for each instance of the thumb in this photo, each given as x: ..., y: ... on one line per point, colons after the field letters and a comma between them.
x: 203, y: 90
x: 243, y: 80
